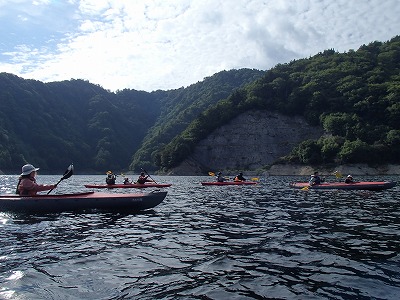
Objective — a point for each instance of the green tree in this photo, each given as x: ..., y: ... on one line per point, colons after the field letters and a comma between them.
x: 308, y: 152
x: 330, y: 147
x: 354, y: 152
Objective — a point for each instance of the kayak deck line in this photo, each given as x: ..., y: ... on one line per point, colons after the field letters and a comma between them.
x: 229, y: 183
x: 127, y: 186
x: 360, y: 185
x: 75, y: 195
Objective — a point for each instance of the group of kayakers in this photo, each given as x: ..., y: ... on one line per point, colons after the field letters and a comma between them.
x: 27, y: 185
x: 316, y: 179
x: 142, y: 179
x: 237, y: 178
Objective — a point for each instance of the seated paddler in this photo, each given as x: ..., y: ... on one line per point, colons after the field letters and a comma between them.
x: 27, y: 185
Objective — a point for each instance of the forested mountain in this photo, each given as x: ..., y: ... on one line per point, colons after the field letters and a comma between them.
x: 180, y: 107
x: 54, y: 124
x: 355, y: 96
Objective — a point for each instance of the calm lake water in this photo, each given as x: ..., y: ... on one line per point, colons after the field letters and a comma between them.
x: 234, y: 242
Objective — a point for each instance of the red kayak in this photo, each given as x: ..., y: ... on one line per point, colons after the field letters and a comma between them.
x: 80, y: 201
x: 229, y: 183
x: 127, y: 186
x: 361, y: 185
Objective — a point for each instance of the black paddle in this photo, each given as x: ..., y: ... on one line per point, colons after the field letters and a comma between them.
x: 148, y: 175
x: 67, y: 174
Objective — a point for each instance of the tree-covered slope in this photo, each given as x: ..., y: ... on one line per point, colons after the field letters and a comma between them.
x: 181, y: 106
x: 54, y: 124
x: 355, y: 96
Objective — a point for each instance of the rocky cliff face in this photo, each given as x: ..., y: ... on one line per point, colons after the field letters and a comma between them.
x: 251, y: 141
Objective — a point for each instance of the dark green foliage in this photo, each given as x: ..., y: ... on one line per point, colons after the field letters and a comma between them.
x: 54, y: 124
x: 307, y: 152
x: 330, y: 147
x: 355, y: 96
x: 179, y: 108
x: 355, y: 152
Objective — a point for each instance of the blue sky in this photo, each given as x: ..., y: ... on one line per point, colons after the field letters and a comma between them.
x: 160, y: 44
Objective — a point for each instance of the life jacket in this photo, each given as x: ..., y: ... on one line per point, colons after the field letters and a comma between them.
x: 220, y: 178
x: 142, y: 179
x: 110, y: 179
x: 24, y: 192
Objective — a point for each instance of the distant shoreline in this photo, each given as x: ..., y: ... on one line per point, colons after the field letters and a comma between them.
x: 353, y: 169
x: 191, y: 169
x: 285, y: 170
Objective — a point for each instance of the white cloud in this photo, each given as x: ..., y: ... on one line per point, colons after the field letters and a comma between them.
x: 159, y: 44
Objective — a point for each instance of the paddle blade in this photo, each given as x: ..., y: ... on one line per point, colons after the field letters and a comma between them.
x: 68, y: 173
x: 255, y: 179
x: 338, y: 174
x: 211, y: 173
x: 306, y: 188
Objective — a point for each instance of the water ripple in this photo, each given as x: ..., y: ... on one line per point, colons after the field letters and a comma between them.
x: 243, y: 242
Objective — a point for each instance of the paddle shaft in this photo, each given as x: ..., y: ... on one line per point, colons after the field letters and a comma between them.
x: 148, y: 175
x: 67, y: 174
x: 55, y: 185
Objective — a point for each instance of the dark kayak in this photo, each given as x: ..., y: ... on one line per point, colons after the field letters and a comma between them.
x: 127, y: 186
x: 81, y: 201
x: 229, y: 183
x: 361, y: 185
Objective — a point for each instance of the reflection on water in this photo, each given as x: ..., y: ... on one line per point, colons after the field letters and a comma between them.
x: 241, y: 242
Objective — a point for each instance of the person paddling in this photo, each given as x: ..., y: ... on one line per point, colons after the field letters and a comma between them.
x: 315, y: 179
x: 239, y: 177
x: 27, y: 185
x: 349, y: 179
x: 220, y: 178
x: 111, y: 177
x: 143, y: 178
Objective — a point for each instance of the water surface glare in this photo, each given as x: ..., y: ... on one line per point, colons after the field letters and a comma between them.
x: 232, y: 242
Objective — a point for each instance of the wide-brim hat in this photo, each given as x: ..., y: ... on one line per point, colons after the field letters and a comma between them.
x: 28, y: 169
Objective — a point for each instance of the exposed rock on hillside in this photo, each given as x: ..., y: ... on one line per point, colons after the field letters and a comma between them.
x: 251, y: 141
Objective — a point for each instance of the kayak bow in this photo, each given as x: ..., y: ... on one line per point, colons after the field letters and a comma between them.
x: 81, y: 201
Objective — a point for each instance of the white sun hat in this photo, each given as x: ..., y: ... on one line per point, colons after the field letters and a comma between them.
x: 28, y: 169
